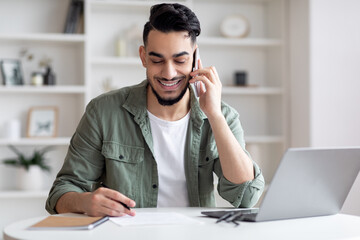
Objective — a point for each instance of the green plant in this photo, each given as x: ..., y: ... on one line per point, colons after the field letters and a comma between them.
x: 37, y: 159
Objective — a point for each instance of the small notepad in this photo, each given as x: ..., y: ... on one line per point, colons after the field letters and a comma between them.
x: 68, y: 223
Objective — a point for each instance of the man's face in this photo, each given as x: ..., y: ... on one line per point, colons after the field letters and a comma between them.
x: 168, y: 60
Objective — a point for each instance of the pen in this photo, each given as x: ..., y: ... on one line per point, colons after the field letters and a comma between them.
x: 123, y: 204
x: 234, y: 217
x: 225, y: 216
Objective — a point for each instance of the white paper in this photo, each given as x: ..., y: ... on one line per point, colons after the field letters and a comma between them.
x: 151, y: 218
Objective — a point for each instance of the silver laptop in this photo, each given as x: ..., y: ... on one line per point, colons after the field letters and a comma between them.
x: 308, y: 182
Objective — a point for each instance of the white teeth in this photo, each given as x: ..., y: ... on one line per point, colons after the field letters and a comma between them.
x: 169, y: 85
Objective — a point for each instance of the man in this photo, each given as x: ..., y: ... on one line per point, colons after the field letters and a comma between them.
x: 155, y: 144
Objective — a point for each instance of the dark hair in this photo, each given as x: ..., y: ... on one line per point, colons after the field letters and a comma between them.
x: 172, y: 17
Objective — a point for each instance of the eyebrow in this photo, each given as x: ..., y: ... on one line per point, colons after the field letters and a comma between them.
x: 174, y: 55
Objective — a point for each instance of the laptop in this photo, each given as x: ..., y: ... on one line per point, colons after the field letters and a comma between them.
x: 309, y: 182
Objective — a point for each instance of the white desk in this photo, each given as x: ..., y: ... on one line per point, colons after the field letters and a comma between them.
x: 338, y: 226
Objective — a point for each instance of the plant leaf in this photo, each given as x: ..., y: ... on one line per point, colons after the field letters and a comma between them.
x: 13, y: 162
x: 15, y: 150
x: 36, y: 159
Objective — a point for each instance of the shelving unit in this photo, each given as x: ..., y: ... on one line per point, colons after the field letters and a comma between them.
x: 132, y: 61
x: 43, y: 89
x: 60, y: 141
x: 23, y: 194
x: 44, y: 37
x: 37, y: 26
x: 248, y: 42
x: 83, y: 62
x: 262, y: 54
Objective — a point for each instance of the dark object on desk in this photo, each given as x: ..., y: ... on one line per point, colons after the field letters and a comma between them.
x: 230, y: 215
x: 68, y: 223
x: 221, y: 213
x: 241, y: 78
x: 123, y: 204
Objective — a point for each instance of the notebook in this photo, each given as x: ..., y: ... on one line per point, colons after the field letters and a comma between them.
x: 68, y: 223
x: 308, y: 182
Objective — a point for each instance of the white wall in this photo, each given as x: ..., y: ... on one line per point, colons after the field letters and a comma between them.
x: 335, y: 77
x: 335, y: 72
x: 325, y: 77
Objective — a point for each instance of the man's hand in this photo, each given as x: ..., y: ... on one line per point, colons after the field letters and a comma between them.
x: 236, y: 165
x: 209, y: 99
x: 105, y: 201
x: 102, y: 202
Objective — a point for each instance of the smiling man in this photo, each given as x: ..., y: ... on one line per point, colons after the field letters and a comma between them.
x: 155, y: 144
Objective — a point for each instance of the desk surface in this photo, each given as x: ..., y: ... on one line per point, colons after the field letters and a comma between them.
x: 338, y: 226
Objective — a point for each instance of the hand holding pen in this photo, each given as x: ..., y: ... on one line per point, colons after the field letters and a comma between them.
x: 118, y: 198
x: 106, y: 202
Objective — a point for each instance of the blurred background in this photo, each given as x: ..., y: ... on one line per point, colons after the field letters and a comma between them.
x: 289, y: 67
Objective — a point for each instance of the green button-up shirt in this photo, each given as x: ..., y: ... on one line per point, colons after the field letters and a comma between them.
x: 113, y: 144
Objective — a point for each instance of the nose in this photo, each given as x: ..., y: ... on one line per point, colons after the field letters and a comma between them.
x: 169, y: 70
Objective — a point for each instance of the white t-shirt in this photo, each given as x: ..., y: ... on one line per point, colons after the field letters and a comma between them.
x: 169, y: 148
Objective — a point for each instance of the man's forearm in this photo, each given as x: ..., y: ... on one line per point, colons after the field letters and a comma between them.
x: 70, y: 202
x: 237, y: 167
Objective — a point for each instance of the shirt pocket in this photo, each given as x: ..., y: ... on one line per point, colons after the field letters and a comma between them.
x: 123, y: 166
x: 207, y: 160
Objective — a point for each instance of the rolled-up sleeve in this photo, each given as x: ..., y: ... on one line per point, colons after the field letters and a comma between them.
x: 244, y: 195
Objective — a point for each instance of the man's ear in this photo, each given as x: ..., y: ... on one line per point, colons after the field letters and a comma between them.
x: 142, y: 54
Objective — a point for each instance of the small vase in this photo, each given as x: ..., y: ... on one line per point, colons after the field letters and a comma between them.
x: 30, y: 180
x: 49, y: 77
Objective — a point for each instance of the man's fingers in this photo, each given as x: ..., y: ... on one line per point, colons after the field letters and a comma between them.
x: 113, y: 208
x: 210, y: 73
x: 112, y: 202
x: 117, y: 196
x: 200, y: 64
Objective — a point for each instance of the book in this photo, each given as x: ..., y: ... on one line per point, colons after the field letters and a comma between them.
x: 74, y: 15
x: 68, y: 223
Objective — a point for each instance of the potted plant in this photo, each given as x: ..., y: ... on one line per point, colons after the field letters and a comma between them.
x: 29, y: 176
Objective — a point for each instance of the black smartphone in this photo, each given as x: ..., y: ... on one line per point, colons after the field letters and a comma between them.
x: 196, y: 85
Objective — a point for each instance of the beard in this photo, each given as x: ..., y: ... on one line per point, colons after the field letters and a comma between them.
x: 168, y: 102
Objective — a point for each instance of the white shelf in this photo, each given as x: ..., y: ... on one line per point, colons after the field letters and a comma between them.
x: 43, y: 89
x: 44, y: 37
x: 116, y: 3
x: 235, y: 1
x: 264, y: 139
x: 23, y: 194
x: 244, y: 42
x: 251, y: 90
x: 60, y: 141
x: 135, y: 61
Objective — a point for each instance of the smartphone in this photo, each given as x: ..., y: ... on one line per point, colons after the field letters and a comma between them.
x: 196, y: 85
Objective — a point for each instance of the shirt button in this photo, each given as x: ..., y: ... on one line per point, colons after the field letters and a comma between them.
x: 207, y: 159
x: 154, y: 186
x: 121, y: 157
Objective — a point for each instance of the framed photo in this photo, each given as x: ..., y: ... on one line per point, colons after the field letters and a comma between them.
x: 11, y: 72
x: 42, y: 122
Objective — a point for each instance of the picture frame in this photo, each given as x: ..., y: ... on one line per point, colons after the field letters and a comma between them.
x: 42, y: 122
x: 11, y: 72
